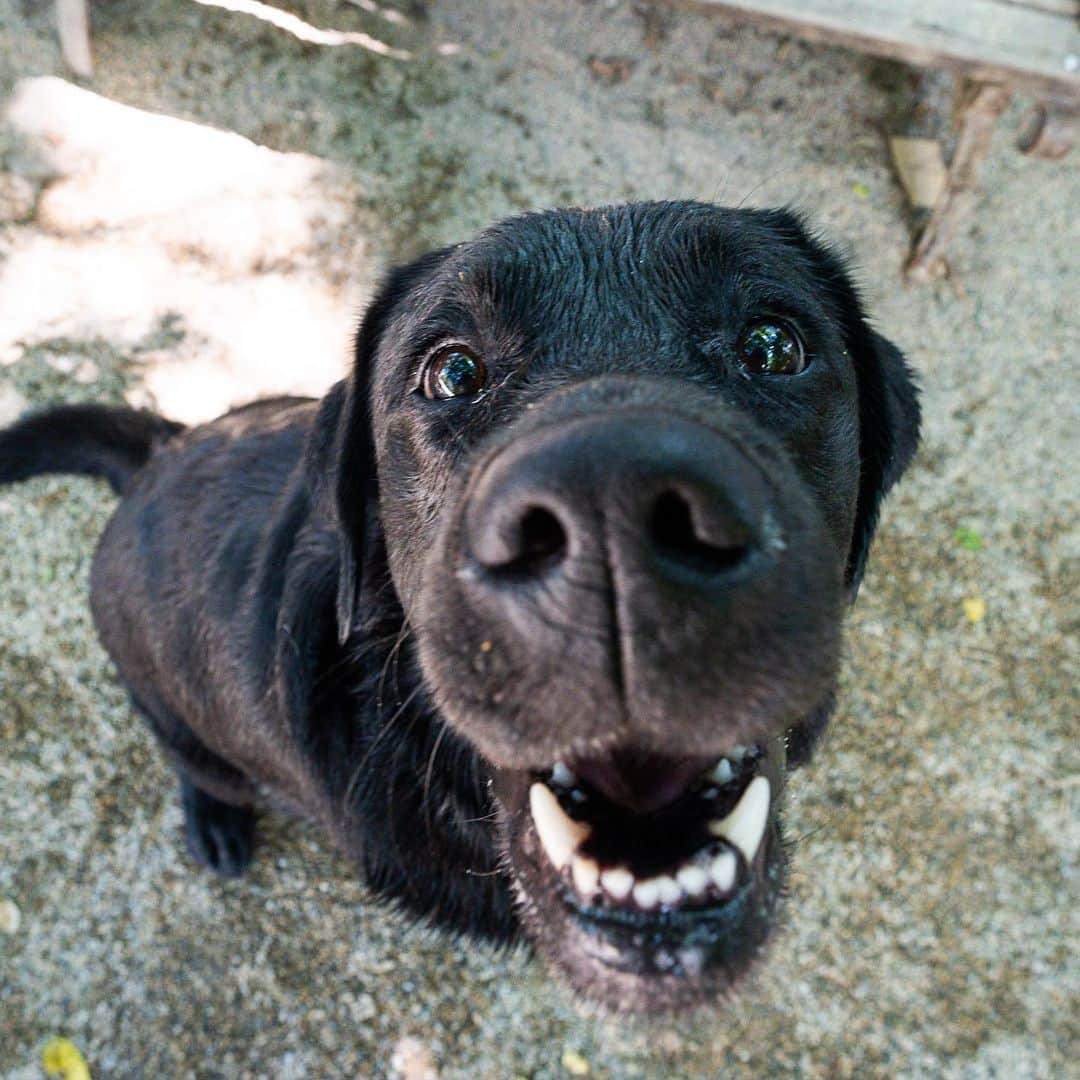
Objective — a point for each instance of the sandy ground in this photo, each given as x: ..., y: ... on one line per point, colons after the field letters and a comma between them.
x: 932, y: 928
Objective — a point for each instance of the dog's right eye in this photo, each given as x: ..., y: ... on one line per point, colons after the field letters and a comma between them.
x: 454, y: 371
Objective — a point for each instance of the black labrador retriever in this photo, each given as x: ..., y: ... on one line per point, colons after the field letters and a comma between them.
x: 536, y: 609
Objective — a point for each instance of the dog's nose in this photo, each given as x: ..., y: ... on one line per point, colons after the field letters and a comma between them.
x: 655, y: 497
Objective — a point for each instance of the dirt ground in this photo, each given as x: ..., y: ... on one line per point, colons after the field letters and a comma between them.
x: 932, y: 925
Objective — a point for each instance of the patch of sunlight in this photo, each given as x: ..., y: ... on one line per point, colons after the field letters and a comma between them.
x: 253, y: 252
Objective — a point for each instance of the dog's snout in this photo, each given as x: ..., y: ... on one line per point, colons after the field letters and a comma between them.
x: 656, y: 496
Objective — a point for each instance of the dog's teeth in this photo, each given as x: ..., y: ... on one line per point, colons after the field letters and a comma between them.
x: 668, y: 890
x: 693, y: 879
x: 586, y: 875
x: 723, y: 773
x: 617, y: 882
x: 562, y: 775
x: 722, y: 870
x: 738, y: 753
x: 647, y: 893
x: 745, y: 825
x: 560, y: 835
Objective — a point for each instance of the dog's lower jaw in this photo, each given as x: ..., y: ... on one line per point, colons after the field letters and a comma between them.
x: 630, y: 949
x: 657, y: 969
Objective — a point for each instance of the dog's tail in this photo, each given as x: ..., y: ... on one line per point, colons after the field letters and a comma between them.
x: 92, y: 440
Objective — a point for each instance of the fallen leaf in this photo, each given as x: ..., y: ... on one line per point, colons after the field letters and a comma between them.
x: 61, y: 1057
x: 975, y: 609
x: 861, y: 190
x: 611, y: 69
x: 921, y: 169
x: 969, y: 539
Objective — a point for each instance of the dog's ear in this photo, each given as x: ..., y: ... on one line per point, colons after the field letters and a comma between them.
x: 889, y: 413
x: 341, y: 460
x: 889, y: 419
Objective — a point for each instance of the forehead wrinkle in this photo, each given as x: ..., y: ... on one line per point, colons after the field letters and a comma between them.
x: 583, y: 271
x: 621, y: 271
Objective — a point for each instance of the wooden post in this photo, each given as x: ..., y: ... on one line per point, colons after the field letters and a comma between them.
x: 979, y: 104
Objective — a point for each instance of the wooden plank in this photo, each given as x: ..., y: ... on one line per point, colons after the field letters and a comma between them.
x: 1068, y: 8
x: 988, y: 40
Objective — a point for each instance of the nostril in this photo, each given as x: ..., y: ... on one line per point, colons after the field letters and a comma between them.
x: 539, y: 545
x: 679, y: 539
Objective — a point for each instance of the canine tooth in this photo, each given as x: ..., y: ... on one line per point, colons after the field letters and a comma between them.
x: 739, y: 753
x: 586, y: 874
x: 745, y: 825
x: 617, y: 882
x: 647, y: 893
x: 668, y: 889
x: 723, y: 773
x: 562, y: 775
x: 560, y: 835
x: 722, y: 870
x: 693, y: 879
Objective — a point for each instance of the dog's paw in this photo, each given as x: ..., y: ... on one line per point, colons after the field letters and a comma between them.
x: 219, y: 836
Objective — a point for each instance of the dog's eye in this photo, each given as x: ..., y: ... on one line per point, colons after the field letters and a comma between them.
x: 771, y: 348
x: 453, y: 372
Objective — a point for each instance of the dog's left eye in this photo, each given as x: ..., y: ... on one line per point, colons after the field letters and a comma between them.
x: 771, y: 348
x: 454, y: 371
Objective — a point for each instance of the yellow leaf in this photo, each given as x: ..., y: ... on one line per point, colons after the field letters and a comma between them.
x: 61, y: 1057
x: 860, y: 189
x: 574, y: 1063
x: 975, y: 609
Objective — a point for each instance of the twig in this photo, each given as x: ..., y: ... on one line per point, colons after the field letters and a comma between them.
x: 293, y: 24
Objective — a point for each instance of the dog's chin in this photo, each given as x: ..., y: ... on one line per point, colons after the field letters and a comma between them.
x: 648, y: 913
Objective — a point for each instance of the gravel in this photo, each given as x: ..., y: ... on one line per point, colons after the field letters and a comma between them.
x: 932, y: 924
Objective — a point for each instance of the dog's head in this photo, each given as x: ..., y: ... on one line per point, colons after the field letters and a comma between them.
x: 626, y: 465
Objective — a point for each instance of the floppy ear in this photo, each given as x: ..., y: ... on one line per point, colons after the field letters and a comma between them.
x: 341, y: 454
x: 889, y: 419
x: 889, y: 414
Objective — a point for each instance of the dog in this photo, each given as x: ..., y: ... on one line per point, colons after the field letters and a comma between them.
x: 536, y: 610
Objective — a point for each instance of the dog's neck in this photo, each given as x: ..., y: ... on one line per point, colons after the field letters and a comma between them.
x: 411, y: 796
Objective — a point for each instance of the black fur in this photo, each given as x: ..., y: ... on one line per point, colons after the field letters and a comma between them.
x: 293, y: 597
x: 94, y: 440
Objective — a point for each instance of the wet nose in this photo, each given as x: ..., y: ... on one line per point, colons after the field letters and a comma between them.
x: 659, y: 496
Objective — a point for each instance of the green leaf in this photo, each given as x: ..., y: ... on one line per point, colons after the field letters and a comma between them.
x: 969, y: 539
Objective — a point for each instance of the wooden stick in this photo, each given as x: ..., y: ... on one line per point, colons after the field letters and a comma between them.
x: 979, y: 106
x: 73, y: 25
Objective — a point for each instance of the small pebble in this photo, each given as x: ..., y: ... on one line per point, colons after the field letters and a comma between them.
x: 10, y: 917
x: 575, y: 1064
x: 12, y: 405
x: 412, y: 1060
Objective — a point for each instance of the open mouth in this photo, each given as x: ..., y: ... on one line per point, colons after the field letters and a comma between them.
x: 692, y: 853
x: 671, y: 880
